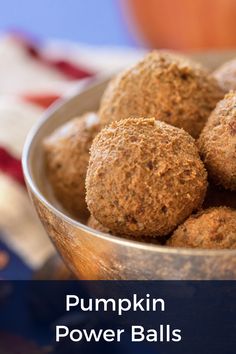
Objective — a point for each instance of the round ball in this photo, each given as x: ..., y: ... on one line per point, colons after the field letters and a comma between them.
x: 217, y: 143
x: 67, y: 157
x: 96, y: 225
x: 226, y: 75
x: 144, y: 177
x: 165, y: 86
x: 213, y: 228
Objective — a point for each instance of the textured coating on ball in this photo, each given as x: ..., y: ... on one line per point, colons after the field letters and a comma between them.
x: 144, y: 177
x: 96, y: 225
x: 168, y: 87
x: 217, y: 143
x: 213, y: 228
x: 67, y: 156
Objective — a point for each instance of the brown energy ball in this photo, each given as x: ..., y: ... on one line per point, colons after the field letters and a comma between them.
x: 165, y: 86
x: 144, y: 177
x: 217, y: 143
x: 226, y: 75
x: 96, y: 225
x: 212, y: 228
x: 67, y: 156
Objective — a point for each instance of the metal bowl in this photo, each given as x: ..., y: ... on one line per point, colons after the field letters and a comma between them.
x: 94, y: 255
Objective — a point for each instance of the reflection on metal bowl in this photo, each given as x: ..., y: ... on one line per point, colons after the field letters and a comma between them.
x: 91, y: 254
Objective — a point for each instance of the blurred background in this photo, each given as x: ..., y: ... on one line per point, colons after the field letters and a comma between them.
x: 176, y: 24
x: 91, y: 22
x: 49, y: 48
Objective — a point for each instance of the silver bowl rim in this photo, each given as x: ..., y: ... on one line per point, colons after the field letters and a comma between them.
x: 116, y: 239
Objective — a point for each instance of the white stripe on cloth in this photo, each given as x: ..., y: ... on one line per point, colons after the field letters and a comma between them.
x: 21, y: 229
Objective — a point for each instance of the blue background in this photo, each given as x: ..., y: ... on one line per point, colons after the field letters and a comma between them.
x: 97, y: 22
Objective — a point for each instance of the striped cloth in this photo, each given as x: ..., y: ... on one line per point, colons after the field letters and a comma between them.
x: 32, y: 76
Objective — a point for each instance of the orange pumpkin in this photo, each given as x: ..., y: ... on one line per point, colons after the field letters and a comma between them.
x: 185, y: 24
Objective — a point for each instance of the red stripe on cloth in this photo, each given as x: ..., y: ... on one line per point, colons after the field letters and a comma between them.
x: 11, y: 166
x: 70, y: 70
x: 41, y: 100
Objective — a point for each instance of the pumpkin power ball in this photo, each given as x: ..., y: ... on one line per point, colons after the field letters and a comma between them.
x: 226, y: 75
x: 212, y: 228
x: 67, y: 156
x: 144, y: 177
x: 94, y: 224
x: 217, y: 143
x: 165, y: 86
